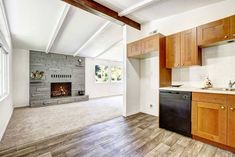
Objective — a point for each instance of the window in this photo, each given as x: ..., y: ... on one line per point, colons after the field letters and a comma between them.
x: 3, y: 73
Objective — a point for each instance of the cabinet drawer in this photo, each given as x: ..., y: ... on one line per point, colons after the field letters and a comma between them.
x: 211, y: 98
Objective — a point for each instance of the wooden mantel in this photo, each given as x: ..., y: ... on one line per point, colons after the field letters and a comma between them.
x: 100, y: 10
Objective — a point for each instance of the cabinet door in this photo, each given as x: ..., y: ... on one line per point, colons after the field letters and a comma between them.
x: 232, y: 27
x: 134, y: 49
x: 213, y: 32
x: 231, y: 121
x: 189, y: 48
x: 150, y: 44
x: 173, y: 50
x: 209, y: 121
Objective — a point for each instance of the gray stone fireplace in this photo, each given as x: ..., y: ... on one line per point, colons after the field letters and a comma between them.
x: 62, y: 81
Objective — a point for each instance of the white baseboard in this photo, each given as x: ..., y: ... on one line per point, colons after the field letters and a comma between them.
x: 108, y: 96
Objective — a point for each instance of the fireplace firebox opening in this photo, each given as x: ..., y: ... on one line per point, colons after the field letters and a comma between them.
x: 61, y: 89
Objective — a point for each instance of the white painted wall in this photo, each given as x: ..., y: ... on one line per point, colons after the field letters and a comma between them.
x: 132, y: 75
x: 20, y: 77
x: 149, y: 85
x: 96, y: 90
x: 219, y: 57
x: 190, y: 19
x: 6, y: 108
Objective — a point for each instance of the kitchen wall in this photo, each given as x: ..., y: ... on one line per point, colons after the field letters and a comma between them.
x: 131, y: 75
x: 20, y: 77
x: 190, y: 19
x: 217, y: 58
x: 217, y: 64
x: 96, y: 90
x: 217, y: 61
x: 149, y: 84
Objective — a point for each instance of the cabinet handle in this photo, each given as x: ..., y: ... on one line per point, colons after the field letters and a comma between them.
x: 183, y: 64
x: 176, y: 65
x: 225, y: 36
x: 233, y: 35
x: 222, y: 107
x: 231, y: 109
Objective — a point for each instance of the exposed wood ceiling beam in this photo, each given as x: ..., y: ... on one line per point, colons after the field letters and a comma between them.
x: 58, y: 27
x: 114, y: 44
x: 7, y: 42
x: 135, y: 7
x: 100, y: 10
x: 91, y: 38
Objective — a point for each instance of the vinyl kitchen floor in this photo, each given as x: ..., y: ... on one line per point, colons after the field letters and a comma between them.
x: 137, y: 135
x: 32, y: 124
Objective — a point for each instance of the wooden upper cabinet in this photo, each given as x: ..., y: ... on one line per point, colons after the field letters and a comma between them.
x: 209, y: 119
x: 189, y: 49
x: 232, y: 27
x: 144, y: 47
x: 173, y: 50
x: 182, y: 49
x: 150, y: 44
x: 213, y: 32
x: 231, y: 121
x: 134, y: 49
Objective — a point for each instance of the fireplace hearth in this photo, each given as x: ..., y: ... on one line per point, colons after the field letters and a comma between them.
x: 61, y: 89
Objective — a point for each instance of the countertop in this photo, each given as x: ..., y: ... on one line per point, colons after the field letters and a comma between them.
x: 194, y: 89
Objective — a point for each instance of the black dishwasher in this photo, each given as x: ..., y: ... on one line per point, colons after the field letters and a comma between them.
x: 175, y: 111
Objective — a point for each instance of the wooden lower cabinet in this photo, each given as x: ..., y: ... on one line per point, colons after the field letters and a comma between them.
x: 209, y: 121
x: 213, y: 118
x: 231, y: 121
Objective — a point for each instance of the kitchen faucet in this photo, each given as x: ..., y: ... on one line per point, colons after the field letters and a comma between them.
x: 230, y: 84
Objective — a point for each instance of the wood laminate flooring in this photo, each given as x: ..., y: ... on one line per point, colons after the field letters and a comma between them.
x: 137, y: 135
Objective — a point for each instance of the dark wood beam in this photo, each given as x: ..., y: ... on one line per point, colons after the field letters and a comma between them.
x: 100, y: 10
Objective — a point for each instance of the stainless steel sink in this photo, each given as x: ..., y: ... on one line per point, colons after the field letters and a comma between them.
x: 219, y: 89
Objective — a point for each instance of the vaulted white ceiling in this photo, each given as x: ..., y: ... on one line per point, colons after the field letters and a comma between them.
x: 157, y: 8
x: 33, y: 24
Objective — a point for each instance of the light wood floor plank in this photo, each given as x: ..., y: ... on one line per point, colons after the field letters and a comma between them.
x: 138, y: 135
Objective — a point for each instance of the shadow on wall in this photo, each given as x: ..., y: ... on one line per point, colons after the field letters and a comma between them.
x: 135, y: 62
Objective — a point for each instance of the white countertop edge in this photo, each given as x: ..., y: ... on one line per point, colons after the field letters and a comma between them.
x: 192, y: 89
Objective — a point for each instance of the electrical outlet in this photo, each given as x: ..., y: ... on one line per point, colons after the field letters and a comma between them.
x: 151, y: 105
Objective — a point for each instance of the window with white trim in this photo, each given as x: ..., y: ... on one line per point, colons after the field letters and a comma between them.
x: 4, y: 77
